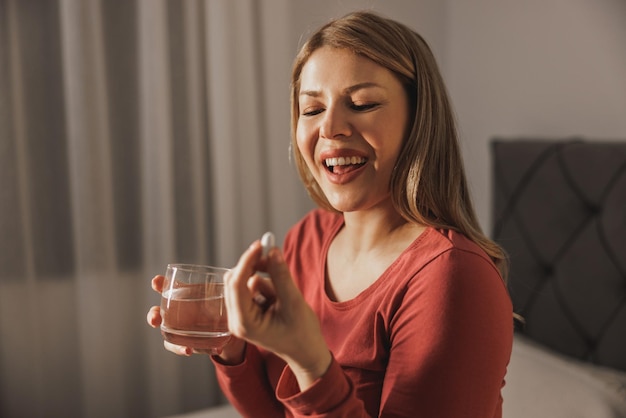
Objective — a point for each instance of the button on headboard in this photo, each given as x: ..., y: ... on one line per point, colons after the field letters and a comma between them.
x: 560, y: 212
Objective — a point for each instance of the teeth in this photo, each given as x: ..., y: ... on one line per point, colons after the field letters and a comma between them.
x: 331, y: 162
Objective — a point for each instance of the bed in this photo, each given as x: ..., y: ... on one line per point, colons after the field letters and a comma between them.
x: 559, y: 209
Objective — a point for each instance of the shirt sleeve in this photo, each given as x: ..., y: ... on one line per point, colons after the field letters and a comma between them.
x: 247, y: 387
x: 331, y: 396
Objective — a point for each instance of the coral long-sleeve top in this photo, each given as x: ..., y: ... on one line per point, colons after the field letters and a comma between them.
x: 431, y: 337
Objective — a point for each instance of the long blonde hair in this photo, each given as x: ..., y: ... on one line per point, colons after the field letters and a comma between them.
x: 428, y: 183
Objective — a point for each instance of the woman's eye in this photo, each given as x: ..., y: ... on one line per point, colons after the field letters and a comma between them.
x: 363, y: 107
x: 312, y: 112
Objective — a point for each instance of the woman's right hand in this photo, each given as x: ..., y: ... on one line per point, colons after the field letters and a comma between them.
x: 231, y: 353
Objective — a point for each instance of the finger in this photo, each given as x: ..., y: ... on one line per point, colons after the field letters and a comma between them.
x: 283, y: 284
x: 154, y: 316
x: 157, y: 283
x: 177, y: 349
x: 239, y: 299
x: 237, y: 278
x: 208, y: 351
x: 262, y: 290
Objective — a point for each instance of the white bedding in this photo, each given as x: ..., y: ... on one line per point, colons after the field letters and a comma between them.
x: 541, y: 383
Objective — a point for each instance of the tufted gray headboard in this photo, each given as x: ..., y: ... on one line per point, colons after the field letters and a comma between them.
x: 560, y: 212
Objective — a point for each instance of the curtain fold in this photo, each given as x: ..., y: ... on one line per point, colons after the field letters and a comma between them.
x: 133, y: 133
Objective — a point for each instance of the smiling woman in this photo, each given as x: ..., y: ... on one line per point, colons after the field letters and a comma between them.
x: 388, y: 300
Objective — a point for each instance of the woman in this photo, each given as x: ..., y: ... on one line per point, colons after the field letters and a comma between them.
x: 388, y: 300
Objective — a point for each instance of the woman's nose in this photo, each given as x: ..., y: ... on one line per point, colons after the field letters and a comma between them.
x: 335, y: 123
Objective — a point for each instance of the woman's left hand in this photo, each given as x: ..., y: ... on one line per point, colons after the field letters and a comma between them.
x: 272, y: 313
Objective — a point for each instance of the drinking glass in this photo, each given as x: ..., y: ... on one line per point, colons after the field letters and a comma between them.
x: 192, y: 307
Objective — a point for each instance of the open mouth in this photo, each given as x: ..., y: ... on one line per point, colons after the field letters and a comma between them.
x: 338, y: 165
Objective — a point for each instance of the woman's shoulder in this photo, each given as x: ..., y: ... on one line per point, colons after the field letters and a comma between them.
x: 449, y: 253
x: 441, y: 241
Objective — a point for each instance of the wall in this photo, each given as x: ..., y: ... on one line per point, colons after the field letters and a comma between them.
x: 535, y: 68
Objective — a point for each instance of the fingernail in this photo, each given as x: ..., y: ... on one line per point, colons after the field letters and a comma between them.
x: 260, y: 299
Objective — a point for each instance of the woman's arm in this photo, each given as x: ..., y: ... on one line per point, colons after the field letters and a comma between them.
x: 451, y: 342
x: 247, y: 386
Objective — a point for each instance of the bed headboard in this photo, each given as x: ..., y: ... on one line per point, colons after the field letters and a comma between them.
x: 560, y: 213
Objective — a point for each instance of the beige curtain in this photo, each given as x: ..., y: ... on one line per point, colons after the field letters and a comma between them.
x: 132, y: 134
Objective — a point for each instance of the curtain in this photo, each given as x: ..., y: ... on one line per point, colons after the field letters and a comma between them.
x: 133, y: 133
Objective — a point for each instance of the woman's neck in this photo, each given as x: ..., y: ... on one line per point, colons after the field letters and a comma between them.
x: 366, y: 231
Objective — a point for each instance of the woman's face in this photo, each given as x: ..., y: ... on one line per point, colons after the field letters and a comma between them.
x: 353, y: 119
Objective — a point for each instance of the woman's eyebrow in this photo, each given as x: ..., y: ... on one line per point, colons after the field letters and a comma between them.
x: 347, y: 90
x: 361, y: 86
x: 312, y: 93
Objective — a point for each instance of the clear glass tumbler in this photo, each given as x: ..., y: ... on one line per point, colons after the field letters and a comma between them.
x: 192, y: 307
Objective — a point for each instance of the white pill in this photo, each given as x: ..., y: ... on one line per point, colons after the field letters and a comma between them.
x: 267, y: 242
